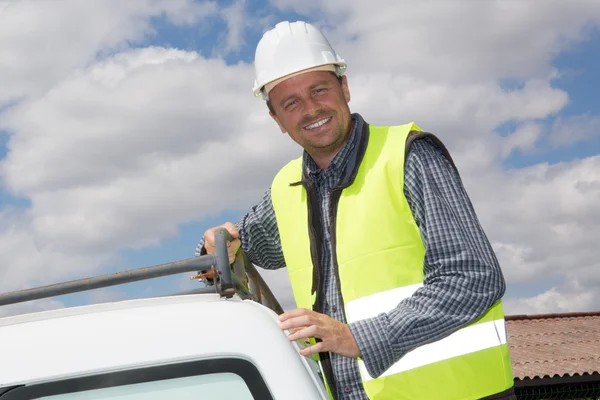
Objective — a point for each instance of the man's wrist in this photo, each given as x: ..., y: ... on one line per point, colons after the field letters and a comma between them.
x: 373, y: 344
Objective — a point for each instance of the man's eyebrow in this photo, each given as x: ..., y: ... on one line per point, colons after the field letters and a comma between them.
x: 311, y: 87
x: 323, y: 82
x: 285, y: 100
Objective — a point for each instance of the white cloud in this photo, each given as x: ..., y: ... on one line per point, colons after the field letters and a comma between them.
x: 125, y: 150
x: 3, y: 5
x: 115, y: 152
x: 553, y: 301
x: 107, y: 295
x: 237, y: 21
x: 543, y: 222
x: 43, y: 42
x: 576, y: 129
x: 458, y: 113
x: 452, y: 42
x: 524, y: 138
x: 30, y: 307
x: 27, y: 263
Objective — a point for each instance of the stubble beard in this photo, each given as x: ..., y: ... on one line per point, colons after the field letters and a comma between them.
x: 340, y: 135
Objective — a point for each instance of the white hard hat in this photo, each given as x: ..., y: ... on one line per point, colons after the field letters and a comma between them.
x: 288, y: 49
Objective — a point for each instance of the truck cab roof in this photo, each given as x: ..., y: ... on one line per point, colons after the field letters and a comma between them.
x: 221, y: 341
x: 238, y: 339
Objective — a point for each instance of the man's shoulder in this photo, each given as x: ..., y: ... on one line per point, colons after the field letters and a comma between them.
x: 291, y: 172
x: 426, y: 145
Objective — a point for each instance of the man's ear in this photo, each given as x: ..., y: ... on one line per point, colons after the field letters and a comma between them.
x: 283, y: 130
x: 345, y: 88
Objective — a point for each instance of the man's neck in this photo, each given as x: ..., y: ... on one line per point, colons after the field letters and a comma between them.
x: 324, y: 160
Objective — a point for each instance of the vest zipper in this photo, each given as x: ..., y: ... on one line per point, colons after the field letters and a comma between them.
x: 315, y: 239
x: 335, y: 194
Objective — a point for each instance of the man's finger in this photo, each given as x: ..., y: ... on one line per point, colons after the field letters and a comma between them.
x: 294, y: 313
x: 296, y: 322
x: 305, y: 333
x: 231, y: 228
x: 232, y: 246
x: 233, y: 249
x: 315, y: 348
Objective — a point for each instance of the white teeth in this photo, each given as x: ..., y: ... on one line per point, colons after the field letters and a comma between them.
x: 318, y: 124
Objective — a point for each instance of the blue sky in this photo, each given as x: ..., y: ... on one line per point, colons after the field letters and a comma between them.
x: 57, y: 217
x: 579, y: 66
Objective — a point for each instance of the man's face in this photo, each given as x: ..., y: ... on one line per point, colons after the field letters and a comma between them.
x: 313, y: 109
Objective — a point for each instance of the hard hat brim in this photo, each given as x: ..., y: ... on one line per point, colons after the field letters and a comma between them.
x: 327, y: 67
x: 339, y: 69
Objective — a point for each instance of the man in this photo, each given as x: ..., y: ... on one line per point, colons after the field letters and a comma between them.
x: 397, y: 286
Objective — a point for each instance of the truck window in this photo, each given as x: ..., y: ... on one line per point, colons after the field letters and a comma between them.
x: 218, y: 379
x: 220, y: 386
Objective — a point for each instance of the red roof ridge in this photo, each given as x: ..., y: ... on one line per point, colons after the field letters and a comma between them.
x: 563, y: 332
x: 518, y: 346
x: 558, y: 337
x: 555, y: 315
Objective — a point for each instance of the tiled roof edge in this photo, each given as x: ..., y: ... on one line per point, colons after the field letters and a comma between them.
x: 565, y: 375
x: 557, y: 315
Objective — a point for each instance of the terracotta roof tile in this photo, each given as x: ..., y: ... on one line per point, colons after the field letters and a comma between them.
x: 550, y: 345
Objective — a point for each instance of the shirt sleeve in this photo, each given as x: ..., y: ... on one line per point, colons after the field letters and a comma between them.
x: 259, y: 235
x: 462, y: 276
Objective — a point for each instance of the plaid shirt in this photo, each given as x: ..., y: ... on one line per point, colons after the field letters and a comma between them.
x: 462, y: 275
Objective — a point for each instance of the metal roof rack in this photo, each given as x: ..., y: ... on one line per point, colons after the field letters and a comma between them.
x: 241, y: 278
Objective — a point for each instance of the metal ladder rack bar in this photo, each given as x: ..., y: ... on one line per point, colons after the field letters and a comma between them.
x: 258, y: 285
x: 101, y: 281
x: 220, y: 260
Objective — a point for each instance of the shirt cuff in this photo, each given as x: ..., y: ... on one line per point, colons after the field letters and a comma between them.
x: 374, y: 344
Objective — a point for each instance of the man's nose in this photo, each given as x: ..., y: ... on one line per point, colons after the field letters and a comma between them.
x: 311, y: 107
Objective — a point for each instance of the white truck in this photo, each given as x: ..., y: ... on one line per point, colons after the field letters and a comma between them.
x: 219, y: 342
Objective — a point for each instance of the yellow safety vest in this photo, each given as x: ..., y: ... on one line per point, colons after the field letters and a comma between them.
x: 380, y: 255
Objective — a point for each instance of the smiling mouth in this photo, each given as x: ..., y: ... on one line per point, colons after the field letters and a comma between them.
x: 318, y: 124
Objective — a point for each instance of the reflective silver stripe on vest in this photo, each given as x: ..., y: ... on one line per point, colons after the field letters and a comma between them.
x: 464, y: 341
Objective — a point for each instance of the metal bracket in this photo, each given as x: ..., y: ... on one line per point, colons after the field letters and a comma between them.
x: 245, y: 281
